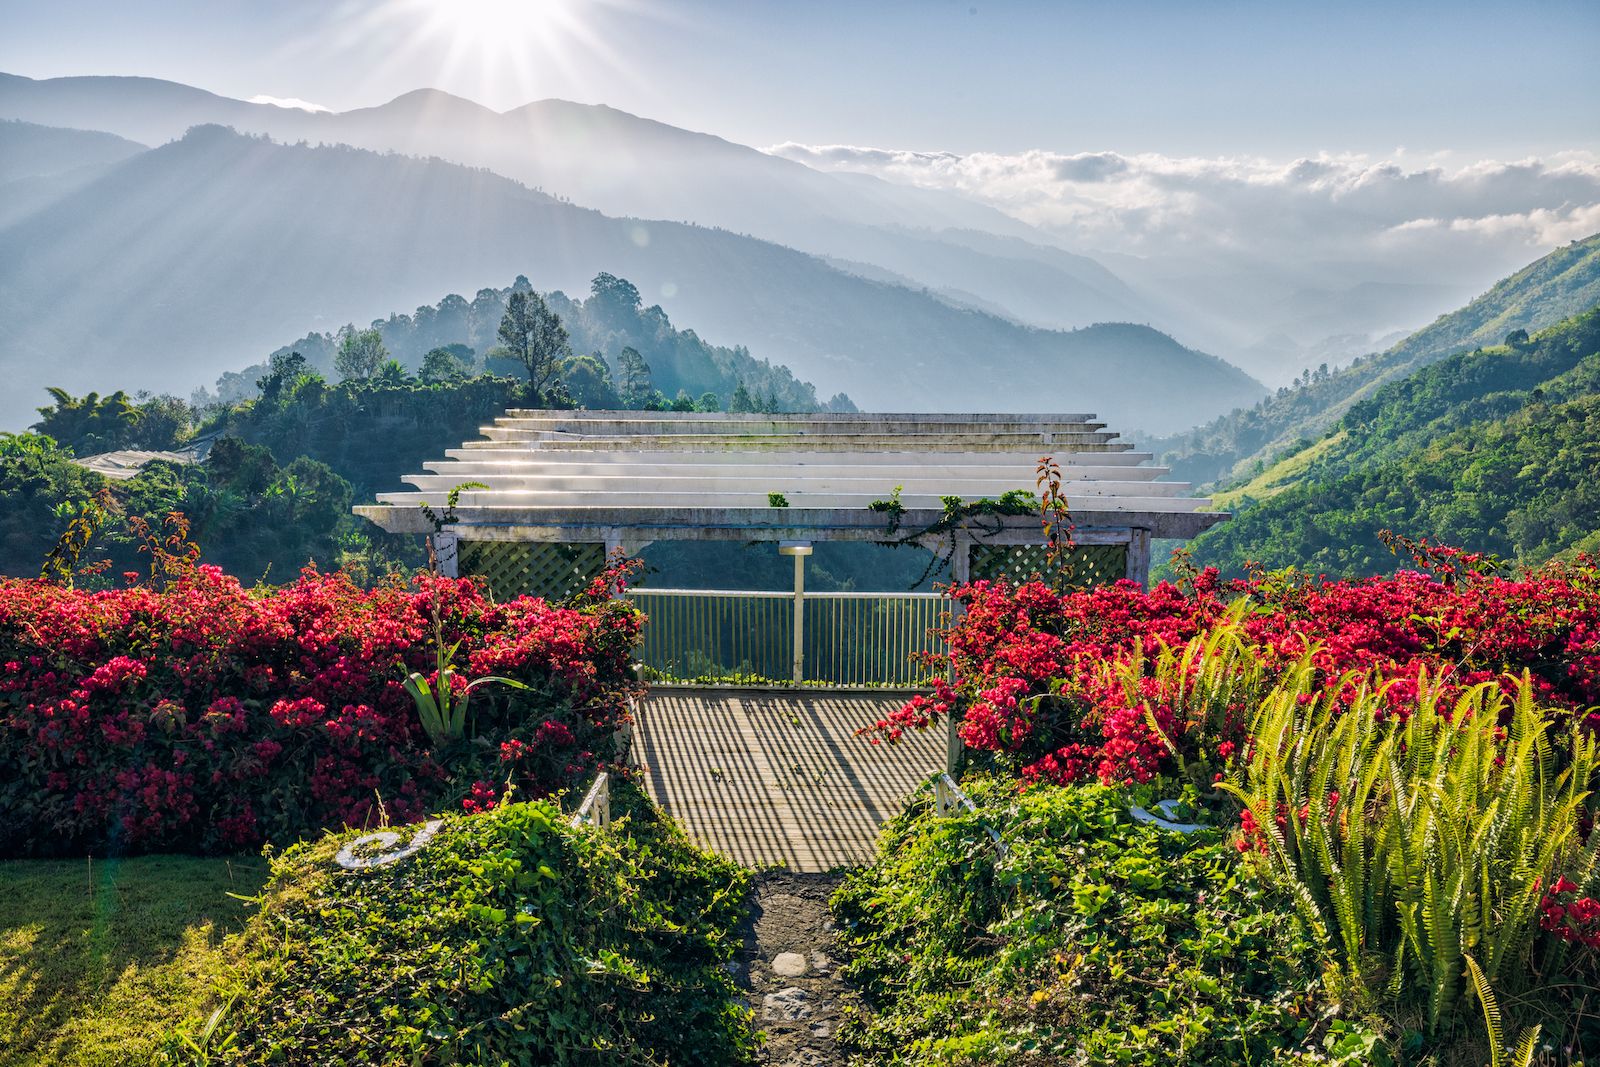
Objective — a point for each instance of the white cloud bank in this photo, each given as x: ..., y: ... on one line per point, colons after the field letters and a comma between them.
x: 1455, y: 221
x: 291, y: 102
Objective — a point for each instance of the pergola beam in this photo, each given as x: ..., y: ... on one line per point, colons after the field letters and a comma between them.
x: 626, y: 479
x: 770, y: 524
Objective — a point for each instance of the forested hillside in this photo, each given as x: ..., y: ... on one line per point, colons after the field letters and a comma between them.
x: 1495, y: 450
x: 1563, y: 283
x: 611, y: 320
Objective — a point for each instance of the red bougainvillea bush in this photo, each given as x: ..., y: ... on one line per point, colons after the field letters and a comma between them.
x: 1040, y: 681
x: 206, y: 716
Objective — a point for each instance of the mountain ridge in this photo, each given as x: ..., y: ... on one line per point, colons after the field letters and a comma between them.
x: 595, y: 155
x: 221, y: 228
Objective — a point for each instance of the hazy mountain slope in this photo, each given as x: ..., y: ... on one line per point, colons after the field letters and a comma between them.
x: 39, y: 164
x: 1029, y: 282
x: 1494, y: 450
x: 1561, y: 284
x: 200, y: 255
x: 622, y: 164
x: 1276, y: 316
x: 30, y: 151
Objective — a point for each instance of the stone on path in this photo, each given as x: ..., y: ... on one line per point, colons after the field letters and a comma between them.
x: 789, y: 964
x: 788, y: 1004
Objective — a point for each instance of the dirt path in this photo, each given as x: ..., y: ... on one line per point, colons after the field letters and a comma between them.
x: 791, y: 970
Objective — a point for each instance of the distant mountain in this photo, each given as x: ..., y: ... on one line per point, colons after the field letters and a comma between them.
x: 625, y: 165
x: 39, y: 164
x: 1242, y: 444
x: 1276, y: 317
x: 198, y: 256
x: 1492, y: 450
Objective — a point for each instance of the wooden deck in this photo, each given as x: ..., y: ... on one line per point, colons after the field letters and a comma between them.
x: 779, y: 778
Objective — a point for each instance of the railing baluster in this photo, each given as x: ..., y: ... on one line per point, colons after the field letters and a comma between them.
x: 849, y: 638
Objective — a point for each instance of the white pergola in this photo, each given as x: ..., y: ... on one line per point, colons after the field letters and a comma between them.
x: 625, y: 479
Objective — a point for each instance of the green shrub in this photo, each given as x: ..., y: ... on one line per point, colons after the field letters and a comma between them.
x: 1094, y: 939
x: 510, y: 938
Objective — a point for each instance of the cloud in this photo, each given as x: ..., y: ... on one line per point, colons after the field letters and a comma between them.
x: 1458, y: 221
x: 1091, y: 167
x: 291, y: 102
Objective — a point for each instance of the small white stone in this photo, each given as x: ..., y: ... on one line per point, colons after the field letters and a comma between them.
x: 788, y: 1004
x: 789, y: 964
x: 821, y: 962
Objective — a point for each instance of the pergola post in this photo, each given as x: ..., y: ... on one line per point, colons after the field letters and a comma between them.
x: 446, y: 553
x: 961, y: 561
x: 1139, y: 556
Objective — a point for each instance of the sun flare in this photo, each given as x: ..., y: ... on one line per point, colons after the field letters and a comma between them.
x: 501, y: 29
x: 508, y: 51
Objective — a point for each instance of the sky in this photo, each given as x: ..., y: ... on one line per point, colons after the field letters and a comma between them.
x: 1464, y: 80
x: 1436, y: 141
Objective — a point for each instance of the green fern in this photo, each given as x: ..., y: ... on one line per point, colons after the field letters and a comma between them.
x: 1444, y: 831
x: 1527, y: 1044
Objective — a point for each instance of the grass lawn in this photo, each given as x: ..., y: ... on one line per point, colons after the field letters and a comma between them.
x: 98, y: 959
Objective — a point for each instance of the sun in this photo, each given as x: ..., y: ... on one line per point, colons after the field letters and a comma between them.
x: 495, y: 30
x: 500, y: 52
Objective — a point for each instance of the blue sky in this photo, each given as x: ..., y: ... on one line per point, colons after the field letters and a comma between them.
x: 1282, y: 80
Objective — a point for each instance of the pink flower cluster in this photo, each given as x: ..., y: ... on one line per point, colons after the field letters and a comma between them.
x: 1035, y: 679
x: 208, y: 716
x: 1570, y: 917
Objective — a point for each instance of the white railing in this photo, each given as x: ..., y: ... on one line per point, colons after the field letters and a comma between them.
x: 950, y: 799
x: 596, y: 806
x: 843, y: 639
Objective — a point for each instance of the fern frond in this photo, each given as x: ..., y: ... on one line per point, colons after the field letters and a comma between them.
x: 1491, y: 1012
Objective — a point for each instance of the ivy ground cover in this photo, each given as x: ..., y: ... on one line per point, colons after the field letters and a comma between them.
x: 1093, y: 939
x: 511, y: 937
x: 205, y: 716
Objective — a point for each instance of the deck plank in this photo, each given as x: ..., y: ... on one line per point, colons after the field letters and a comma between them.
x: 779, y: 778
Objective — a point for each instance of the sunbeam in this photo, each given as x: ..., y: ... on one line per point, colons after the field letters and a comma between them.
x: 503, y: 52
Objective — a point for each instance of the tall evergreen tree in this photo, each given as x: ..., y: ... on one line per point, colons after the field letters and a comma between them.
x: 532, y: 334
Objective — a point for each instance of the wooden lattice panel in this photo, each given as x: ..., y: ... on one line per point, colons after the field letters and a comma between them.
x: 538, y: 568
x: 1092, y: 565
